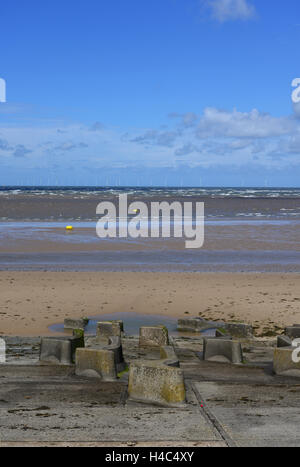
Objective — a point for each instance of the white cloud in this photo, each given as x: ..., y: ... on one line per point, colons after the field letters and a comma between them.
x: 216, y: 138
x: 231, y: 10
x: 186, y: 149
x: 254, y: 124
x: 157, y: 138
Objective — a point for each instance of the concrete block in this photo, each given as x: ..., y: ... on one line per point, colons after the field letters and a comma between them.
x: 115, y: 346
x: 153, y: 336
x: 169, y: 357
x: 283, y: 364
x: 59, y: 350
x: 96, y: 363
x: 197, y: 325
x: 283, y: 341
x: 151, y: 381
x: 239, y: 330
x: 106, y: 329
x: 221, y: 334
x: 220, y: 350
x: 293, y: 332
x: 79, y: 333
x: 80, y: 323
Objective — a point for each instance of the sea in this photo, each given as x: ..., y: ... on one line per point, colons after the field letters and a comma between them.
x: 246, y: 230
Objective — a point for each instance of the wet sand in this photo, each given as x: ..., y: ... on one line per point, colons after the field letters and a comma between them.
x: 29, y: 237
x: 32, y: 301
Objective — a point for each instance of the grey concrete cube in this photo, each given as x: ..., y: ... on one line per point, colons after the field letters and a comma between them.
x: 221, y: 350
x: 153, y: 336
x: 59, y: 350
x: 106, y: 329
x: 80, y: 323
x: 293, y: 332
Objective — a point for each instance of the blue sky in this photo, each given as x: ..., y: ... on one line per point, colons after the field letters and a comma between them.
x: 160, y: 92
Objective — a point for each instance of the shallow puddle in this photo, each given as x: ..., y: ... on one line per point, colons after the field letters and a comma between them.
x: 132, y: 324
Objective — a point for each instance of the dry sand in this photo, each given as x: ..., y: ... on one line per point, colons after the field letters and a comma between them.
x: 32, y: 301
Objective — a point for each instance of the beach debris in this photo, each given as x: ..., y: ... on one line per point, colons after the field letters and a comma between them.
x: 153, y: 336
x: 223, y: 351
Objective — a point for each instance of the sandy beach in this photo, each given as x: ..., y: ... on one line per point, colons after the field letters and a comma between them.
x: 32, y: 301
x: 248, y: 269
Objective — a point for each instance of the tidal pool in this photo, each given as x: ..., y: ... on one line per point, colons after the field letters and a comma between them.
x: 132, y: 324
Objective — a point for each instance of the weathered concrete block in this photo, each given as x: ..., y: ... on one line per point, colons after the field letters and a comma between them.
x: 220, y: 350
x: 153, y: 382
x: 59, y: 350
x: 169, y: 357
x: 293, y: 332
x: 197, y: 325
x: 95, y: 363
x: 222, y: 334
x: 80, y: 323
x: 283, y: 362
x: 239, y: 330
x: 115, y: 346
x: 283, y: 341
x: 106, y: 329
x: 153, y: 336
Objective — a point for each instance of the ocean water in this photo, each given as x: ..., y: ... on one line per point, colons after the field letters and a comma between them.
x: 247, y: 229
x: 216, y: 192
x: 79, y: 203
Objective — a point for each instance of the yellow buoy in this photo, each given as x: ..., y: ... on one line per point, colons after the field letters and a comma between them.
x: 69, y: 227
